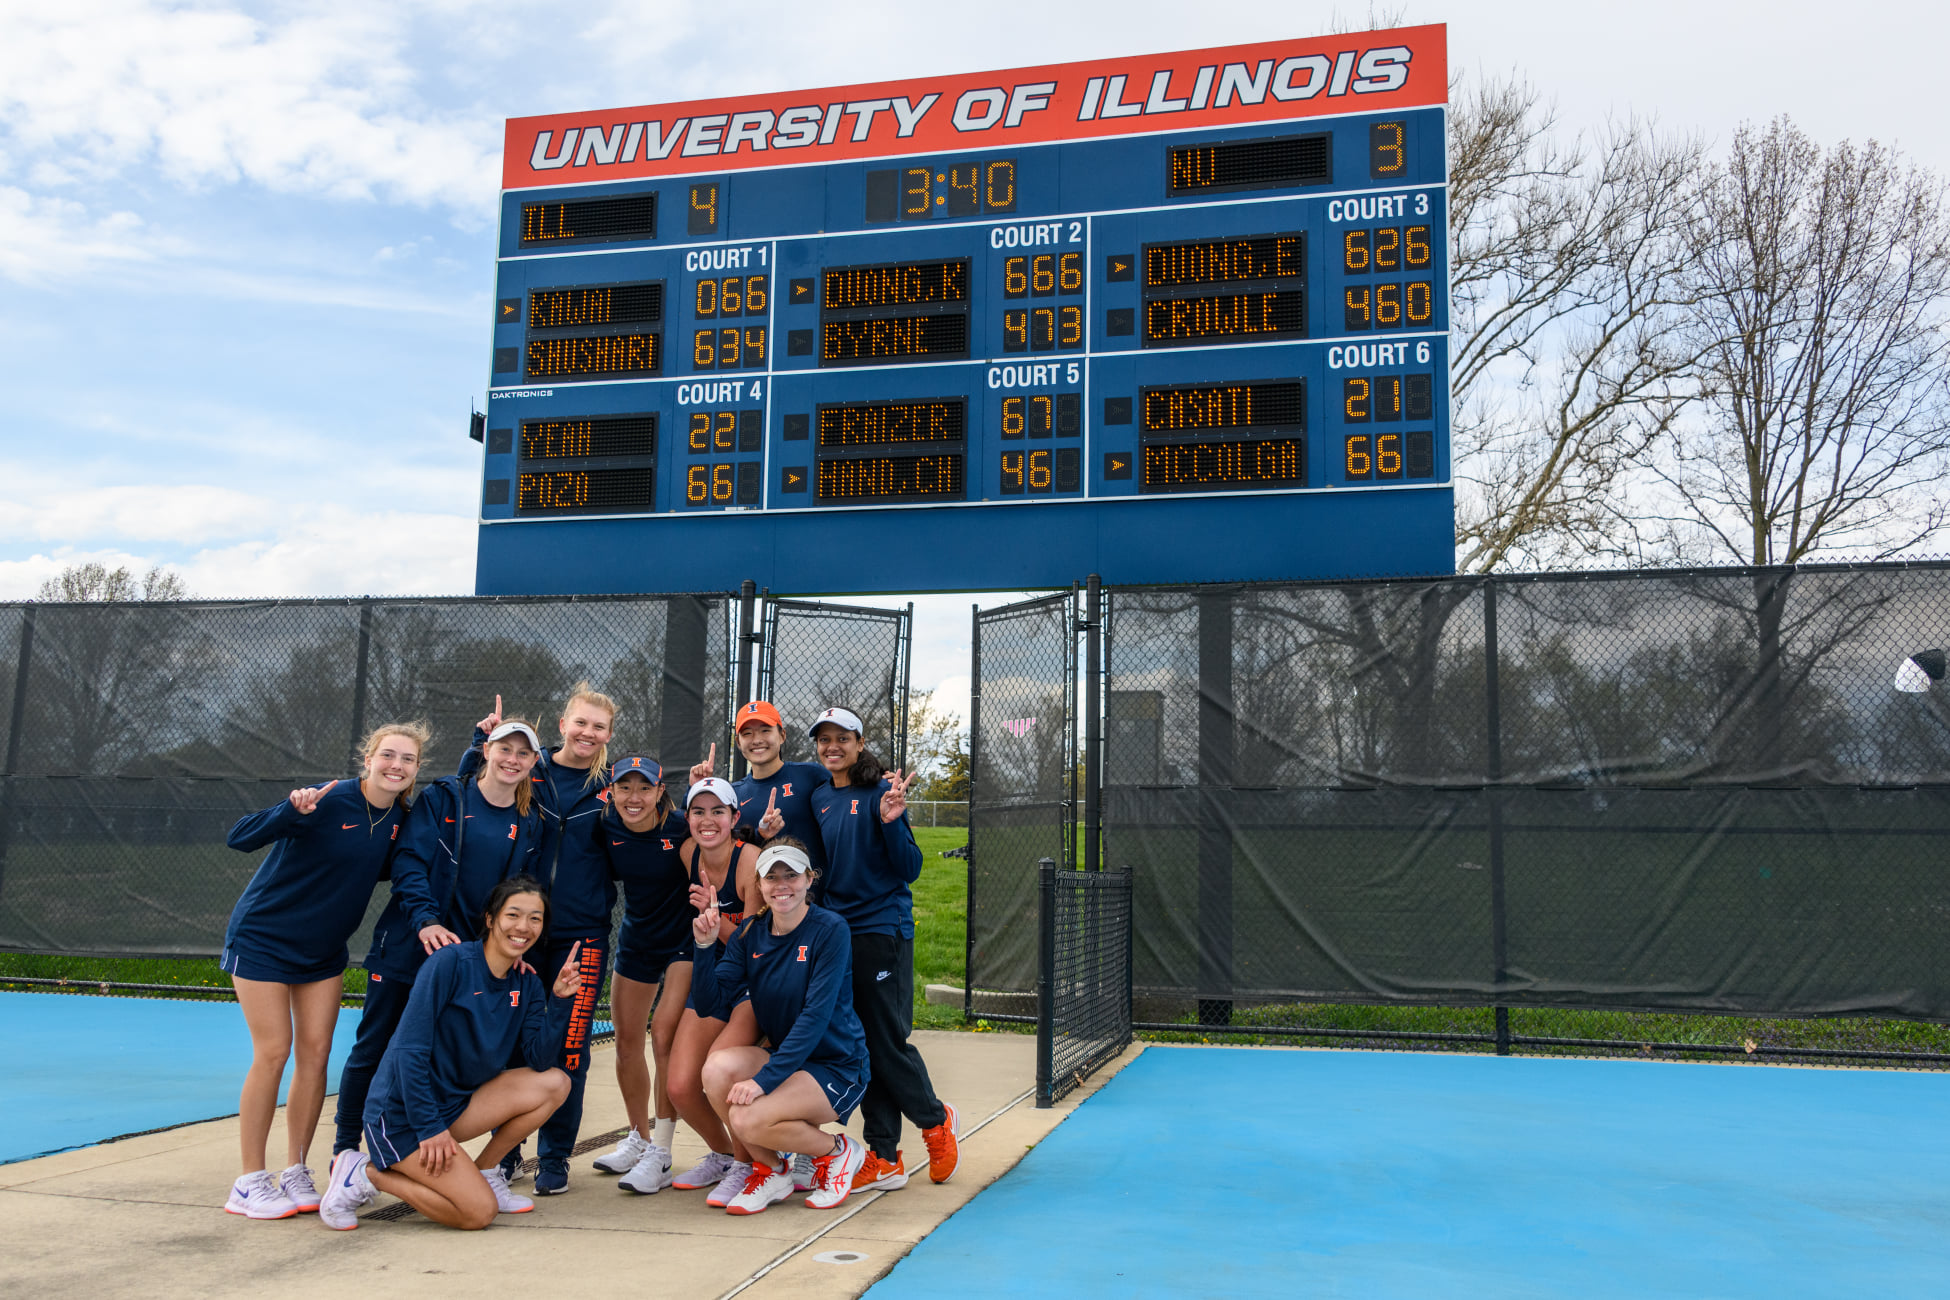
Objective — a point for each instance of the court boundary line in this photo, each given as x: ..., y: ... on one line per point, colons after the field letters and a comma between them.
x: 789, y: 1253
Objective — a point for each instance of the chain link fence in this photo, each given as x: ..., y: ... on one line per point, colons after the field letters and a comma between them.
x: 1665, y: 813
x: 1083, y: 987
x: 138, y: 733
x: 1022, y: 799
x: 818, y: 656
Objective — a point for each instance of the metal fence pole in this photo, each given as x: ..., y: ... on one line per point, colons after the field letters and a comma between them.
x: 1045, y: 982
x: 1215, y: 770
x: 1093, y: 723
x: 361, y: 675
x: 16, y: 723
x: 742, y: 657
x: 1493, y: 727
x: 904, y: 652
x: 974, y: 748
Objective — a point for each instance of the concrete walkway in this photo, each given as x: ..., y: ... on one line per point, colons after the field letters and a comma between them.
x: 142, y: 1217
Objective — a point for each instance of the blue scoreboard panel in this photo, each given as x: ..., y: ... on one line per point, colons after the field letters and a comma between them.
x: 1167, y: 319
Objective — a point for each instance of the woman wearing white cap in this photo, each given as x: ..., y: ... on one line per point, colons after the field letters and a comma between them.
x: 724, y: 878
x: 794, y: 960
x: 872, y: 863
x: 466, y: 835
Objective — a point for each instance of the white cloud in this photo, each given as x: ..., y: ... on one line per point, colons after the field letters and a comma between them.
x: 43, y: 239
x: 186, y: 514
x: 322, y: 101
x: 317, y: 551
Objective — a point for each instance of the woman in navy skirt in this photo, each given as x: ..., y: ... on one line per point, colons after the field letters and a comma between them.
x: 794, y: 961
x: 285, y: 950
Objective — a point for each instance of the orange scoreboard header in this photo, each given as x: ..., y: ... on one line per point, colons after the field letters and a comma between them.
x: 1269, y: 81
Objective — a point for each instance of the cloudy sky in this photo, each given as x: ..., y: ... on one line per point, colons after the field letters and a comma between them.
x: 246, y: 256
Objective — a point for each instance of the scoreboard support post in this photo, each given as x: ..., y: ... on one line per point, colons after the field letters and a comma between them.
x: 1169, y: 319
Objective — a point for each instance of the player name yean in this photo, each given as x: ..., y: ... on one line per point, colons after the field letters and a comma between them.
x: 630, y: 435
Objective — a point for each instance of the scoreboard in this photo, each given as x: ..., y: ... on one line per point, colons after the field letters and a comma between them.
x: 1177, y: 318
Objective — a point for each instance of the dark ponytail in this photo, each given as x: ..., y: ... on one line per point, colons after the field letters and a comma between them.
x: 866, y: 770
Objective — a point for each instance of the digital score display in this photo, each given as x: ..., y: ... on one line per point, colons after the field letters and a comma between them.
x: 1214, y: 283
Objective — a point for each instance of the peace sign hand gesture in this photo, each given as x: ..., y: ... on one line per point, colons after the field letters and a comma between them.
x: 708, y: 768
x: 894, y: 802
x: 773, y: 821
x: 492, y: 720
x: 568, y: 982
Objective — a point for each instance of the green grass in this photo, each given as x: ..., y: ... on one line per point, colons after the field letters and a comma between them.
x: 940, y: 923
x: 196, y: 977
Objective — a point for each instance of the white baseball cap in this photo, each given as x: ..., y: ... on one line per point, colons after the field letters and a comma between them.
x: 784, y: 853
x: 508, y: 729
x: 839, y: 717
x: 716, y: 785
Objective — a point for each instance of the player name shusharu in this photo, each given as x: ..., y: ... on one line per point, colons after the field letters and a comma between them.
x: 1229, y: 313
x: 605, y: 353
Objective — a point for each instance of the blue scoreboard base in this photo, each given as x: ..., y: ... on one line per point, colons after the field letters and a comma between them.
x: 1244, y: 538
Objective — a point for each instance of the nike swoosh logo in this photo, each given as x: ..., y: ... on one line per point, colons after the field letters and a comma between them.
x: 883, y: 975
x: 450, y: 821
x: 350, y: 826
x: 616, y: 843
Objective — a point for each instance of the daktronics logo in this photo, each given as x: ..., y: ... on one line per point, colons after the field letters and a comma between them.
x: 1270, y: 81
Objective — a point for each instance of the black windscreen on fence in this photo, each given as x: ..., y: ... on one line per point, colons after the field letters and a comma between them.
x: 820, y: 656
x: 146, y: 730
x: 1691, y: 791
x: 1022, y: 800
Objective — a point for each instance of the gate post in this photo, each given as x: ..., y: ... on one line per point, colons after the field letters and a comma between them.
x: 361, y: 676
x: 1215, y: 770
x: 17, y: 721
x: 1493, y: 765
x: 1093, y: 726
x: 685, y: 640
x: 1045, y: 982
x: 742, y: 657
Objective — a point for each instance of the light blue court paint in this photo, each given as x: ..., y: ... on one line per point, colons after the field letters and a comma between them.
x: 76, y: 1070
x: 1232, y: 1172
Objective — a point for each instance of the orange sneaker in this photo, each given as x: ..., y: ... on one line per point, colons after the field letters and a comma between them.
x: 944, y: 1153
x: 878, y: 1173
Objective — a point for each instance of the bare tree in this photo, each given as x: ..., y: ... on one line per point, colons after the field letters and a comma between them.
x: 1565, y: 277
x: 98, y: 582
x: 1823, y: 287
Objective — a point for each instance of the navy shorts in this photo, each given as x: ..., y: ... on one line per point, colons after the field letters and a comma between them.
x: 843, y: 1091
x: 389, y: 1143
x: 648, y: 966
x: 274, y: 970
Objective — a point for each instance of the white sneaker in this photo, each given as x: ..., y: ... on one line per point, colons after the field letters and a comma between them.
x: 764, y: 1187
x: 730, y: 1185
x: 708, y: 1172
x: 258, y: 1196
x: 505, y: 1201
x: 835, y: 1174
x: 627, y: 1153
x: 804, y: 1179
x: 651, y: 1173
x: 296, y: 1183
x: 346, y: 1190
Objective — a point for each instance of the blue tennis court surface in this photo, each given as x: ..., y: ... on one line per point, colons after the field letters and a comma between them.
x: 75, y: 1070
x: 1230, y: 1172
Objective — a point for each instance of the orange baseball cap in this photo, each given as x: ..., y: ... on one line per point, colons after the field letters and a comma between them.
x: 759, y: 711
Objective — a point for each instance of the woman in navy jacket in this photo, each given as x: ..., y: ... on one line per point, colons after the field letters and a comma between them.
x: 466, y: 835
x: 446, y: 1077
x: 571, y: 782
x: 794, y: 961
x: 872, y: 863
x: 285, y: 950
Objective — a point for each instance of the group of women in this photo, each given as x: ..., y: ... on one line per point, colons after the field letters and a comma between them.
x: 765, y: 953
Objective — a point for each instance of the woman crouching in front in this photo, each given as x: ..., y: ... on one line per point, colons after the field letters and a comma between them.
x: 445, y: 1076
x: 796, y: 962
